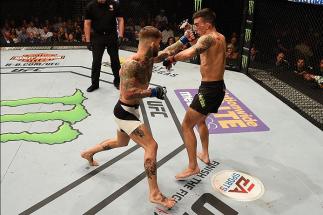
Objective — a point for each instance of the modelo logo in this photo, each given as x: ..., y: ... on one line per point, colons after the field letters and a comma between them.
x: 41, y: 57
x: 237, y: 185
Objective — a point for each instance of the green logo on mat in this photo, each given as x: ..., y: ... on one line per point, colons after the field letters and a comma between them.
x: 64, y: 133
x: 197, y: 5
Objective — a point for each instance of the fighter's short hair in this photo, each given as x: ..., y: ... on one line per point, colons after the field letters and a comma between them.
x: 149, y: 32
x: 207, y: 14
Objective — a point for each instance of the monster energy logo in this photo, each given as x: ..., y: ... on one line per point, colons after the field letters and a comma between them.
x: 251, y: 7
x: 197, y: 5
x: 244, y: 61
x: 247, y: 35
x: 64, y: 133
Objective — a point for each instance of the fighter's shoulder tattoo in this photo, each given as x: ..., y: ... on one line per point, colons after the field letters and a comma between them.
x: 129, y: 69
x: 203, y: 43
x: 133, y: 72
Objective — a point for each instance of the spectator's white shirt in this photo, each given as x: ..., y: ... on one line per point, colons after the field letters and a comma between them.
x: 34, y: 30
x: 45, y: 36
x: 167, y: 34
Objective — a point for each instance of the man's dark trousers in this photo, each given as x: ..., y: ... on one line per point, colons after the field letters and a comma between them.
x: 99, y: 43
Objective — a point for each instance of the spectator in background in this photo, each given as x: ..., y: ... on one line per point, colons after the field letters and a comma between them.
x: 253, y: 56
x: 23, y: 35
x: 234, y: 43
x: 138, y: 28
x: 5, y: 27
x: 46, y: 35
x: 170, y: 41
x: 6, y: 38
x: 320, y: 69
x: 166, y: 33
x: 300, y: 66
x: 14, y: 37
x: 161, y: 17
x: 71, y: 38
x: 32, y: 38
x: 78, y: 33
x: 31, y: 28
x: 129, y: 31
x: 231, y: 52
x: 62, y: 35
x: 55, y: 38
x: 303, y: 49
x: 281, y: 64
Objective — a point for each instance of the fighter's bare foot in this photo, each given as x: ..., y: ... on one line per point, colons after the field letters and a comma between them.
x: 187, y: 173
x: 204, y: 158
x: 162, y: 200
x: 89, y: 156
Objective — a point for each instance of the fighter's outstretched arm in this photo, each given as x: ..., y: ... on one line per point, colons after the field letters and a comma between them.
x: 188, y: 37
x: 168, y: 51
x: 202, y: 44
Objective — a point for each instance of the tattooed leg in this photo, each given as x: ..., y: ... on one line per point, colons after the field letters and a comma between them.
x: 119, y: 141
x: 150, y: 168
x: 138, y: 132
x: 155, y: 195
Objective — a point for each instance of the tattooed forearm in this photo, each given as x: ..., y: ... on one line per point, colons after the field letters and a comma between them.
x: 138, y: 132
x: 137, y: 93
x: 161, y: 56
x: 150, y: 167
x: 203, y: 44
x: 174, y: 48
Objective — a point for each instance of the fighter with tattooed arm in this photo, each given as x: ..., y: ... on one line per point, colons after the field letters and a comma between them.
x: 211, y: 47
x: 135, y: 75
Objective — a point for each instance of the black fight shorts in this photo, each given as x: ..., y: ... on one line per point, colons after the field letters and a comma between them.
x: 209, y: 97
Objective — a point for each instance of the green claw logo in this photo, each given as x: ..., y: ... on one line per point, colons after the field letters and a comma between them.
x: 244, y: 61
x: 251, y: 7
x: 197, y: 5
x: 247, y: 35
x: 64, y: 133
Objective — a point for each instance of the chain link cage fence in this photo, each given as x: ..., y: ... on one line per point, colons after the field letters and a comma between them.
x: 286, y: 53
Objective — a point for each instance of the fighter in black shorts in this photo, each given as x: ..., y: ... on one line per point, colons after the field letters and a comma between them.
x: 211, y: 48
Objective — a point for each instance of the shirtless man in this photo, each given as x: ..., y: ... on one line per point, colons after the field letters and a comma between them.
x: 211, y: 47
x: 135, y: 75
